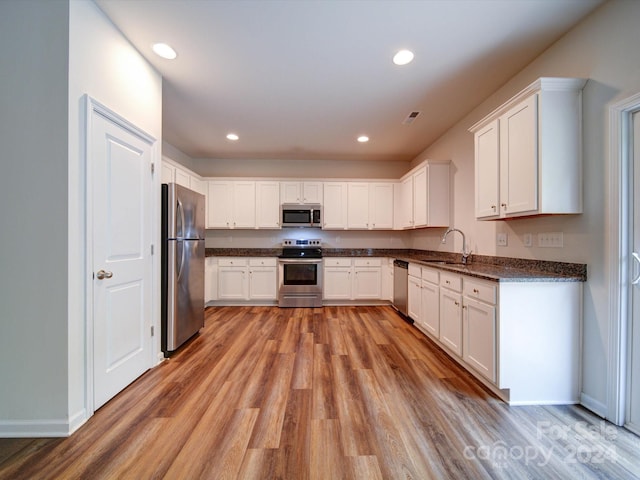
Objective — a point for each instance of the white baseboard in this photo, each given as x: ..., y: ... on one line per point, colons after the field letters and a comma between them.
x: 42, y: 428
x: 592, y: 404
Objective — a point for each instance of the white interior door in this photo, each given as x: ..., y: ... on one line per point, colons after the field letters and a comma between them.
x: 121, y: 194
x: 633, y: 402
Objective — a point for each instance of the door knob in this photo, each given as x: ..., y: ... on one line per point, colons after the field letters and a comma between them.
x: 102, y: 274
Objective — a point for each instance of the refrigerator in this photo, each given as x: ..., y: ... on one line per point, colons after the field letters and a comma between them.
x: 183, y: 229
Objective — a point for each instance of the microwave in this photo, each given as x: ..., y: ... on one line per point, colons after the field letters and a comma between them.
x: 295, y: 215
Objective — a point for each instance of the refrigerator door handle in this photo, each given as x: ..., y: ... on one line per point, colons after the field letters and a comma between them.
x: 180, y: 259
x: 180, y: 219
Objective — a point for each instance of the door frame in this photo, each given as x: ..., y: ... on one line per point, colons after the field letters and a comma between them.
x: 92, y: 106
x: 619, y: 226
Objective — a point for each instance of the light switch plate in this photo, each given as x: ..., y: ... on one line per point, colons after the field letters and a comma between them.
x: 501, y: 240
x: 527, y: 240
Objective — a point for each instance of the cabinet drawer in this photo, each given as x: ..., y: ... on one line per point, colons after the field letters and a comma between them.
x: 485, y: 292
x: 415, y: 270
x: 232, y: 262
x: 451, y: 281
x: 262, y: 262
x: 430, y: 275
x: 337, y: 262
x: 367, y: 262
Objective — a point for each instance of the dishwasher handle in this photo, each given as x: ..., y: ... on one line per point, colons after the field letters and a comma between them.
x: 401, y: 264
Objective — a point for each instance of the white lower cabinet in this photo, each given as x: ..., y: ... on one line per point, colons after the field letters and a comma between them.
x: 241, y: 279
x: 263, y: 279
x: 367, y: 278
x: 337, y: 279
x: 451, y: 320
x: 521, y: 339
x: 233, y: 279
x: 479, y: 327
x: 352, y: 279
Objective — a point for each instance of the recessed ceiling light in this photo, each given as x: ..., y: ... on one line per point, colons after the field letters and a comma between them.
x: 165, y: 51
x: 363, y: 139
x: 403, y: 57
x: 232, y: 136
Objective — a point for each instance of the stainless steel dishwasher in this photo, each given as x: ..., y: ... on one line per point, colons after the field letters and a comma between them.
x: 400, y: 285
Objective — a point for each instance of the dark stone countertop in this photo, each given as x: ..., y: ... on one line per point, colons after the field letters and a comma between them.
x: 499, y: 269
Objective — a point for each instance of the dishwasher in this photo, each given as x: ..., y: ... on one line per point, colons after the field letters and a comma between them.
x: 400, y: 286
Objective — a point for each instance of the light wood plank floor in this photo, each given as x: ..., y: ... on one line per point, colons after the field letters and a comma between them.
x: 330, y: 393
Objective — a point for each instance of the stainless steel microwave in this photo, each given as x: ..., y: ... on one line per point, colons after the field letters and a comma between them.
x: 295, y: 215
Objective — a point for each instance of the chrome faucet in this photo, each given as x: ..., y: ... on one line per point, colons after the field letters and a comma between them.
x: 465, y: 252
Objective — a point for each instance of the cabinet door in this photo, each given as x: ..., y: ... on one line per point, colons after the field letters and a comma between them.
x: 381, y: 206
x: 290, y: 192
x: 337, y: 283
x: 519, y: 159
x: 268, y: 204
x: 219, y: 204
x: 487, y: 173
x: 334, y: 209
x: 367, y: 283
x: 479, y: 345
x: 183, y: 178
x: 405, y: 209
x: 244, y: 204
x: 430, y: 296
x: 451, y: 320
x: 198, y: 185
x: 262, y: 283
x: 168, y: 173
x: 312, y: 192
x: 414, y: 299
x: 232, y: 283
x: 420, y: 198
x: 358, y: 206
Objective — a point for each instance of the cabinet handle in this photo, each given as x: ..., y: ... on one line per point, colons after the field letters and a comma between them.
x: 475, y: 290
x: 447, y: 282
x: 504, y: 205
x: 457, y: 304
x: 493, y: 207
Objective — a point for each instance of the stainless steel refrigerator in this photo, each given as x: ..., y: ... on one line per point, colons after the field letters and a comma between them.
x: 183, y: 228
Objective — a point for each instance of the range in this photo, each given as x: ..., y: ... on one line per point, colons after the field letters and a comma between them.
x: 300, y: 273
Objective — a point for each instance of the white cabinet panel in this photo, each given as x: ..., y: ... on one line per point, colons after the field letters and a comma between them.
x: 267, y: 204
x: 424, y: 196
x: 301, y: 192
x: 358, y: 206
x: 451, y: 320
x: 534, y: 144
x: 337, y: 283
x: 381, y: 196
x: 367, y: 283
x: 334, y: 209
x: 231, y: 204
x: 183, y: 178
x: 479, y: 345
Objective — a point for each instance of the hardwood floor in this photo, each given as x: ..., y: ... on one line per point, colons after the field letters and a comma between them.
x: 330, y: 393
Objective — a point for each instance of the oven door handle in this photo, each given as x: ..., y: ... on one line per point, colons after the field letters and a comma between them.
x: 300, y: 260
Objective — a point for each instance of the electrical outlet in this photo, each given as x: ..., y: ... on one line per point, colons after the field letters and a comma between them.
x: 501, y: 240
x: 551, y: 240
x: 527, y: 240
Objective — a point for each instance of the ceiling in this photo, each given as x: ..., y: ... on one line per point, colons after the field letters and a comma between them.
x: 303, y: 79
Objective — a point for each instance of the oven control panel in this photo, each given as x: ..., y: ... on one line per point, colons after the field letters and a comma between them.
x: 301, y: 243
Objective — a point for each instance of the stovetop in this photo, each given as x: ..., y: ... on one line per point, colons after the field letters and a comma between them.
x: 301, y: 248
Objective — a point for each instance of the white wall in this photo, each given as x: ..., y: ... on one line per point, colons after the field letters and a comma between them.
x: 605, y: 49
x: 104, y: 65
x: 53, y: 53
x: 299, y: 168
x: 33, y: 217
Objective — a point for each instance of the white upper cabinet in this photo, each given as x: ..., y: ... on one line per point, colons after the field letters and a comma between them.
x: 183, y: 178
x: 424, y: 196
x: 334, y: 209
x: 231, y: 204
x: 528, y: 152
x: 370, y: 206
x: 301, y: 192
x: 268, y: 204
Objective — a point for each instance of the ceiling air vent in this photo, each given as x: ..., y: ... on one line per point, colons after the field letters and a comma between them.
x: 410, y: 118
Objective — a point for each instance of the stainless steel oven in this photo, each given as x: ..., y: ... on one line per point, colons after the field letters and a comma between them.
x: 300, y: 274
